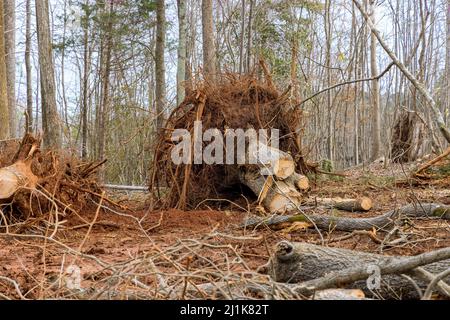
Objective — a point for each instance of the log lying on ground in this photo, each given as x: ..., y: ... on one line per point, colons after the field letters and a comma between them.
x: 276, y: 196
x: 317, y: 268
x: 361, y: 204
x: 327, y: 222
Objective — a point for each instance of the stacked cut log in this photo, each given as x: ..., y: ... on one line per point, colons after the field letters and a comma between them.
x: 274, y: 180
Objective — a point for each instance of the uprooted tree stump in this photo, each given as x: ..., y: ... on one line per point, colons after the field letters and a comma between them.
x: 35, y: 183
x: 233, y: 102
x: 317, y: 267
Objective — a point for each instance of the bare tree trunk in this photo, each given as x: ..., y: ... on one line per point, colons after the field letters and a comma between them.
x: 209, y: 50
x: 376, y: 129
x: 84, y: 107
x: 241, y: 41
x: 181, y: 64
x: 160, y: 69
x: 4, y: 111
x: 447, y: 64
x: 419, y: 86
x: 249, y: 36
x: 105, y: 78
x: 50, y: 117
x: 28, y: 67
x: 10, y: 50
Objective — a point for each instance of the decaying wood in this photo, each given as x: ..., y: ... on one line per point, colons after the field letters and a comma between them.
x: 360, y: 204
x: 327, y: 222
x: 316, y: 268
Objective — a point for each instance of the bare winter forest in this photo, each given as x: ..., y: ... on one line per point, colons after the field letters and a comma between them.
x: 225, y: 149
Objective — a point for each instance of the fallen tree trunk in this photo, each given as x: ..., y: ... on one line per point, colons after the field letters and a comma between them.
x: 327, y: 222
x: 361, y: 204
x: 317, y: 268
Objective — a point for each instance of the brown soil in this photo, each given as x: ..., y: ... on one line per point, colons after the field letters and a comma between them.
x: 194, y: 241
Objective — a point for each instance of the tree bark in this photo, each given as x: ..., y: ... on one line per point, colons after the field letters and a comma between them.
x: 105, y: 70
x: 84, y: 106
x: 384, y: 221
x: 50, y: 117
x: 376, y: 125
x: 317, y: 267
x: 4, y: 110
x: 209, y: 50
x: 10, y: 50
x: 29, y: 89
x: 181, y: 63
x: 160, y: 69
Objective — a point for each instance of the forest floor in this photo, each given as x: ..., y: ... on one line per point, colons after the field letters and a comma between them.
x: 135, y: 253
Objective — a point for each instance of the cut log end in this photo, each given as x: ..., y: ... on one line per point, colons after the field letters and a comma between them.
x: 14, y: 177
x: 284, y: 168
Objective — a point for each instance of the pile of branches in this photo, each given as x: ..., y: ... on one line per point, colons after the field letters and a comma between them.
x: 47, y: 185
x: 231, y: 102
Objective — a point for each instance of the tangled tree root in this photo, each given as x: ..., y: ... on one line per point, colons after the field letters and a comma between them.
x: 232, y: 102
x: 41, y: 184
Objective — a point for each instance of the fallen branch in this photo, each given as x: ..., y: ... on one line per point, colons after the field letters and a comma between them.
x: 433, y: 161
x: 326, y: 222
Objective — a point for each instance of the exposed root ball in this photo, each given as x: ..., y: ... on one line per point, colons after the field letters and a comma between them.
x: 48, y: 183
x: 232, y: 102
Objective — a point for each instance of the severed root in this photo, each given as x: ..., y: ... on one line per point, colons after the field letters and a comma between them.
x: 316, y: 268
x: 327, y: 222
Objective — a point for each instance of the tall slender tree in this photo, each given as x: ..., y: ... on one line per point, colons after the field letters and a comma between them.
x: 50, y: 118
x: 10, y: 50
x: 28, y: 66
x: 376, y: 128
x: 209, y: 48
x: 4, y: 112
x: 181, y: 63
x: 160, y: 69
x: 447, y: 64
x: 86, y: 62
